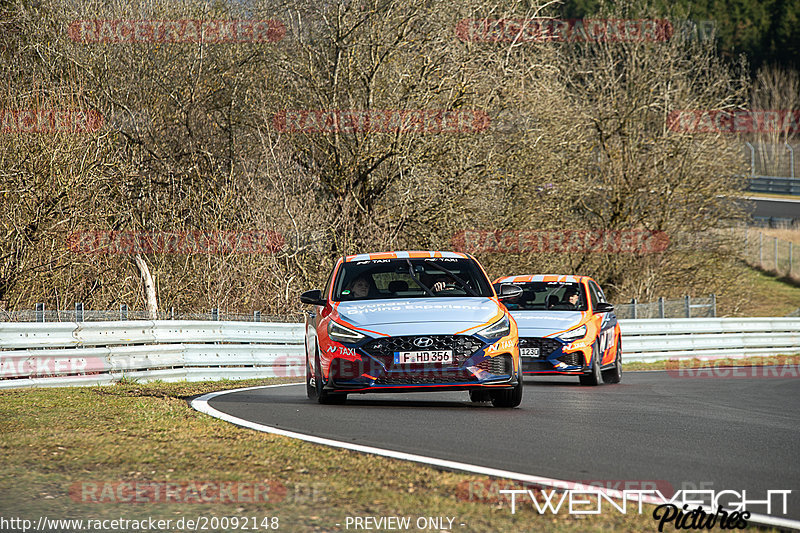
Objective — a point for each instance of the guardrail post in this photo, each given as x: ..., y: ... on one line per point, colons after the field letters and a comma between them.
x: 123, y: 311
x: 214, y: 313
x: 687, y: 303
x: 661, y: 307
x: 752, y: 159
x: 39, y: 312
x: 78, y: 312
x: 713, y: 304
x: 172, y: 313
x: 633, y: 306
x: 256, y: 316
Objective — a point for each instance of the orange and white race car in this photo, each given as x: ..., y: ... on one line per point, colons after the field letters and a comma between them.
x: 411, y: 321
x: 566, y: 326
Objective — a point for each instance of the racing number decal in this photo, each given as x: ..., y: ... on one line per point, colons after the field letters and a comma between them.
x: 605, y: 340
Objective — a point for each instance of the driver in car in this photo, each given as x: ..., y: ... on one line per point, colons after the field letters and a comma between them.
x: 359, y: 288
x: 571, y: 298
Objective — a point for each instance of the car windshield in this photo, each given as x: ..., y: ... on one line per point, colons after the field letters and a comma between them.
x: 548, y: 295
x: 376, y: 279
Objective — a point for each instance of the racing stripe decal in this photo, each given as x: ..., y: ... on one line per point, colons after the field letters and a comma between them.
x: 335, y: 314
x: 492, y: 320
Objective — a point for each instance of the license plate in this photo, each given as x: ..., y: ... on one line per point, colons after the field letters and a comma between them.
x: 529, y: 352
x: 423, y: 357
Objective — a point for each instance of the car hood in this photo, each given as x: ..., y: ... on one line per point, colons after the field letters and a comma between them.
x: 543, y: 323
x: 420, y: 316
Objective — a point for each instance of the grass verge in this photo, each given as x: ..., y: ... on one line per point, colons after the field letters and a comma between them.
x: 768, y: 295
x: 62, y: 447
x: 776, y: 360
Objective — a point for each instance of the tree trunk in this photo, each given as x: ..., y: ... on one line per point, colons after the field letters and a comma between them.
x: 149, y: 287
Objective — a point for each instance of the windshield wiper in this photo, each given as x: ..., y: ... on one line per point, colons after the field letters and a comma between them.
x: 546, y: 296
x: 419, y: 281
x: 458, y: 280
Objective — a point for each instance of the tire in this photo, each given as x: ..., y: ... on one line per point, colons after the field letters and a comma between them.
x: 592, y: 379
x: 477, y: 396
x: 323, y: 396
x: 614, y: 375
x: 311, y: 388
x: 508, y: 397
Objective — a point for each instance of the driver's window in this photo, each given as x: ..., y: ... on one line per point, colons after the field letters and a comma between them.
x: 600, y: 296
x: 593, y: 295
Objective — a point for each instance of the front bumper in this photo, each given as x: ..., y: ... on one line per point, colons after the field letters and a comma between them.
x: 374, y: 370
x: 552, y: 358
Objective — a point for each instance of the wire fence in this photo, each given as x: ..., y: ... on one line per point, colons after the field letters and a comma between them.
x: 770, y: 253
x: 686, y: 307
x: 773, y: 159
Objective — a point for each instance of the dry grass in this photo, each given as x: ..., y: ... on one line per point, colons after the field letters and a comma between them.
x: 55, y: 439
x: 785, y: 234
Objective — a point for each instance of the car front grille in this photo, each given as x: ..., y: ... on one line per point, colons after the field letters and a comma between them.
x: 546, y: 346
x: 463, y: 346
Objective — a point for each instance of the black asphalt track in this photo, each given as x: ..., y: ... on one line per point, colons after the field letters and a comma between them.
x: 717, y: 433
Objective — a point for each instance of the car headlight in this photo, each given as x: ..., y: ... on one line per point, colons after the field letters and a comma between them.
x: 501, y: 328
x: 573, y: 334
x: 340, y: 333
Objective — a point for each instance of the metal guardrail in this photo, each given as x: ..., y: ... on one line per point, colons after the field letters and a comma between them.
x: 774, y: 185
x: 709, y: 338
x: 96, y: 353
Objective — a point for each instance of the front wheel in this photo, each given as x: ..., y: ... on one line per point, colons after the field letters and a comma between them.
x: 592, y: 379
x: 323, y: 396
x: 614, y: 375
x: 508, y: 397
x: 311, y: 383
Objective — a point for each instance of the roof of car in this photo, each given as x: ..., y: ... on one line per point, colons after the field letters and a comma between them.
x: 561, y: 278
x: 413, y: 254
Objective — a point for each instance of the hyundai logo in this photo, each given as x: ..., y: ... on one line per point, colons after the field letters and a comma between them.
x: 423, y: 342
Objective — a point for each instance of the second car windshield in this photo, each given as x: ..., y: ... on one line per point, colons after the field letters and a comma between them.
x: 375, y: 279
x: 551, y: 296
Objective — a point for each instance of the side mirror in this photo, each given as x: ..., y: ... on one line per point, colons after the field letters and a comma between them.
x: 508, y: 290
x: 313, y: 297
x: 603, y: 307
